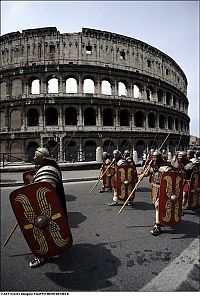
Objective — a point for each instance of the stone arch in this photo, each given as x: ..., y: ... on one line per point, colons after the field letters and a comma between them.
x: 90, y: 150
x: 16, y: 87
x: 52, y: 85
x: 140, y: 147
x: 89, y: 116
x: 139, y: 119
x: 108, y: 117
x: 150, y: 92
x: 71, y: 152
x: 51, y: 116
x: 70, y: 116
x: 106, y: 88
x: 71, y: 85
x: 54, y: 148
x: 162, y: 121
x: 3, y: 92
x: 160, y: 95
x: 35, y: 87
x: 136, y: 91
x: 16, y: 120
x: 32, y: 117
x: 170, y: 122
x: 122, y: 90
x: 124, y: 117
x: 176, y: 124
x: 151, y: 120
x: 168, y: 99
x: 88, y: 86
x: 30, y: 150
x: 2, y: 120
x: 16, y: 151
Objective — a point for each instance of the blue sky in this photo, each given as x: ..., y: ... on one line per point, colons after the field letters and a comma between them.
x: 170, y: 26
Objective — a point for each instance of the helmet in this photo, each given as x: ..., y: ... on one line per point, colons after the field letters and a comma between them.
x: 43, y: 150
x: 105, y: 155
x: 116, y: 153
x: 127, y: 153
x: 121, y: 162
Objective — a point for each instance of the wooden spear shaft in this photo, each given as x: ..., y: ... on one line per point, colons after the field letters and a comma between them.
x: 101, y: 177
x: 11, y: 233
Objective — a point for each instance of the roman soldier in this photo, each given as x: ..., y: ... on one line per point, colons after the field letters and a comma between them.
x: 124, y: 179
x: 183, y: 165
x: 48, y: 171
x: 106, y: 173
x: 157, y: 167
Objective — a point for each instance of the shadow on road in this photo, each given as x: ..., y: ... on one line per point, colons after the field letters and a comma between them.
x: 85, y: 267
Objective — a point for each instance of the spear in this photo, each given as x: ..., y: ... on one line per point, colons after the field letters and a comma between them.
x: 101, y: 176
x: 11, y: 233
x: 136, y: 186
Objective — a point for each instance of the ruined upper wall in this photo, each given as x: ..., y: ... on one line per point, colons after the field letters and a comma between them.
x: 90, y: 47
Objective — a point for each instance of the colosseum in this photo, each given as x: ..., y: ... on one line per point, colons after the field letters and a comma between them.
x: 78, y: 91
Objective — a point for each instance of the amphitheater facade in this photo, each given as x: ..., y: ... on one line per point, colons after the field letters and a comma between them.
x: 79, y: 91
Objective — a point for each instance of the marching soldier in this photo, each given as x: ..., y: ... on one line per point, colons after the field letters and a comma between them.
x: 186, y: 167
x: 124, y: 179
x: 48, y: 171
x: 129, y: 159
x: 107, y: 171
x: 157, y: 167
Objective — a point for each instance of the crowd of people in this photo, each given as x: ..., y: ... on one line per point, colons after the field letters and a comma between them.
x: 118, y: 174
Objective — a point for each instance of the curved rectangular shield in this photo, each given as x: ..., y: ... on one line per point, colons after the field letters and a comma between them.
x: 170, y: 198
x: 108, y: 174
x: 125, y: 180
x: 41, y: 218
x: 194, y: 191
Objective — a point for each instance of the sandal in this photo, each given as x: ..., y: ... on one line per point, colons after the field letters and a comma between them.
x: 36, y: 262
x: 114, y: 203
x: 156, y: 230
x: 130, y: 203
x: 101, y: 190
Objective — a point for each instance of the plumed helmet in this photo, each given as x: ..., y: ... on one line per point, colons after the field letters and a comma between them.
x: 44, y: 151
x: 156, y: 153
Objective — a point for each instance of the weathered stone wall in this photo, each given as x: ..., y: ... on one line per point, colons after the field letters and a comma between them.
x: 42, y: 54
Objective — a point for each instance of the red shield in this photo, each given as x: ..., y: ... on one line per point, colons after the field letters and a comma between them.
x: 28, y: 176
x: 108, y: 174
x: 41, y: 218
x: 170, y: 198
x: 125, y: 180
x: 194, y: 191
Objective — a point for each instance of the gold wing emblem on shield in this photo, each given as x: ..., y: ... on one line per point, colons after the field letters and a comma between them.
x: 46, y: 215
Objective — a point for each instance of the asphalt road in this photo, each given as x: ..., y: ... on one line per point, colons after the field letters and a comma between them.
x: 111, y: 252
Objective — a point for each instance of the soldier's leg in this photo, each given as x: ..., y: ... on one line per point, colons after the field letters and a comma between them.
x: 156, y: 230
x: 115, y: 198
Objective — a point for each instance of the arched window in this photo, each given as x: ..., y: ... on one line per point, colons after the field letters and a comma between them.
x: 53, y: 86
x: 70, y: 116
x: 51, y: 116
x: 160, y: 96
x: 88, y: 86
x: 136, y: 91
x: 176, y: 124
x: 32, y: 117
x: 122, y: 91
x: 150, y: 92
x: 106, y: 88
x: 162, y: 121
x: 89, y: 116
x: 170, y: 123
x: 151, y: 120
x: 71, y: 86
x: 90, y: 151
x: 35, y: 87
x: 124, y: 118
x: 108, y: 117
x: 168, y: 99
x: 139, y: 119
x: 71, y: 152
